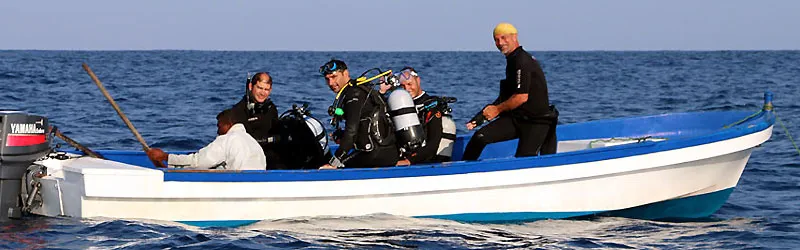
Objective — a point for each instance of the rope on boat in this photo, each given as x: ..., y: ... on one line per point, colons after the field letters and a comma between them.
x: 625, y: 139
x: 787, y: 133
x: 776, y: 118
x: 743, y: 120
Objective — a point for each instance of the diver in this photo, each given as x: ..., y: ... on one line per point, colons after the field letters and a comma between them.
x: 434, y: 115
x: 367, y: 139
x: 260, y: 116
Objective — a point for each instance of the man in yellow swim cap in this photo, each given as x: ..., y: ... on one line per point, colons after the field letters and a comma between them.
x: 522, y: 108
x: 505, y: 38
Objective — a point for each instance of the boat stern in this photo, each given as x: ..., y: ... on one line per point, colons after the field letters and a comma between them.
x: 73, y: 186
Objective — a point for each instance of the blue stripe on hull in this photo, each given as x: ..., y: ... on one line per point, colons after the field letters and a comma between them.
x: 507, y: 217
x: 694, y: 207
x: 680, y: 209
x: 219, y: 223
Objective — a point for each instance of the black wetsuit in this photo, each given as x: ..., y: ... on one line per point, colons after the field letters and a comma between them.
x: 432, y: 122
x: 261, y: 123
x: 536, y: 134
x: 357, y: 147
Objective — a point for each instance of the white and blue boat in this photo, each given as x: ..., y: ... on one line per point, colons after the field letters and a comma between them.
x: 664, y: 167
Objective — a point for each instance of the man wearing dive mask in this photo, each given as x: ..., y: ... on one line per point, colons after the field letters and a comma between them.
x: 367, y: 139
x: 260, y: 116
x: 434, y: 115
x: 522, y: 108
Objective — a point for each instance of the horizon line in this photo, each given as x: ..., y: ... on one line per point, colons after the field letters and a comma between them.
x: 392, y: 51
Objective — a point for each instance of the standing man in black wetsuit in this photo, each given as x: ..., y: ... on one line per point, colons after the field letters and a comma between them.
x: 367, y: 139
x: 260, y: 116
x: 522, y: 109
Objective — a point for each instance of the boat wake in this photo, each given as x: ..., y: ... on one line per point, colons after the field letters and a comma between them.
x: 381, y: 231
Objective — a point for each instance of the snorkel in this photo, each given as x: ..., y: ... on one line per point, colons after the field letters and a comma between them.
x: 248, y: 93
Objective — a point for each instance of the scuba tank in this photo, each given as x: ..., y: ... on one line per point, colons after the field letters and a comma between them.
x: 448, y: 137
x: 302, y: 142
x: 406, y: 122
x: 438, y: 106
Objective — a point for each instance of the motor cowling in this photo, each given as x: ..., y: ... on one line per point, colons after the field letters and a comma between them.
x: 23, y: 139
x: 403, y: 112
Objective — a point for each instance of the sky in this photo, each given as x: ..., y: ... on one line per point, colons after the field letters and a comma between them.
x: 385, y: 25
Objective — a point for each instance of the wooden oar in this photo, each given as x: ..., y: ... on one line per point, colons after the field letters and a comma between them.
x: 119, y: 112
x: 70, y: 141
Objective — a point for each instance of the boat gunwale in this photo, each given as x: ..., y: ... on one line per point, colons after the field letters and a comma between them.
x: 755, y: 124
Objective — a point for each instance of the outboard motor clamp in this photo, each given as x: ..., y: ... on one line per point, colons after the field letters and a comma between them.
x: 23, y: 140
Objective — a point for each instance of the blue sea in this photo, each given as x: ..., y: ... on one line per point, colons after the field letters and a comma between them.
x: 172, y: 98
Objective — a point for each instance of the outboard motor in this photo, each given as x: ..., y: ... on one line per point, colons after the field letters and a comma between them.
x: 303, y: 142
x: 406, y: 122
x: 23, y: 140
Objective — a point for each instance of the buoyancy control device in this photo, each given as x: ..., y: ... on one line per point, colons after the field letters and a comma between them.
x: 23, y: 140
x: 377, y: 125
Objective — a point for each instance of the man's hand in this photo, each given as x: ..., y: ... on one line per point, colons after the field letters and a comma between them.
x: 471, y: 125
x: 403, y: 162
x: 327, y: 166
x: 336, y: 135
x: 384, y: 88
x: 156, y: 154
x: 491, y: 112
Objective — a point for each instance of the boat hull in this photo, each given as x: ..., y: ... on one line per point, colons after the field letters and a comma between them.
x: 682, y: 183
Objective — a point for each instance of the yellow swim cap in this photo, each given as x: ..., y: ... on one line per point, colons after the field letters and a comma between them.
x: 504, y: 28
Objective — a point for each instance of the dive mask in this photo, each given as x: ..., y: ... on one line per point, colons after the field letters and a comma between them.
x: 332, y: 66
x: 406, y: 74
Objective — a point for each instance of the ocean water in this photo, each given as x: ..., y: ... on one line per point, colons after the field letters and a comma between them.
x: 172, y: 97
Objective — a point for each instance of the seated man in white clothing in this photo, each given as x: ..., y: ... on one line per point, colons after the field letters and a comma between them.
x: 233, y: 149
